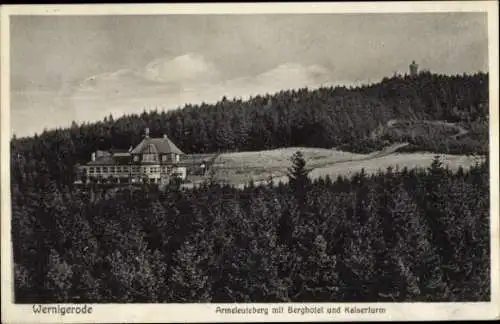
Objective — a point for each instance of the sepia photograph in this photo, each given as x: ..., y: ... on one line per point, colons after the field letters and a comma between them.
x: 328, y: 163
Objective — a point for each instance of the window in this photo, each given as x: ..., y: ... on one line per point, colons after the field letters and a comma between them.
x: 111, y: 169
x: 91, y: 170
x: 136, y: 158
x: 125, y: 169
x: 97, y: 169
x: 149, y: 157
x: 177, y: 158
x: 164, y: 158
x: 104, y: 169
x: 136, y: 169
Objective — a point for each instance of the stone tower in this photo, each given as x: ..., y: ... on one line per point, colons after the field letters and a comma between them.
x: 413, y: 68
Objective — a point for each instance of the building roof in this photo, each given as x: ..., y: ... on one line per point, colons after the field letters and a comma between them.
x: 101, y: 153
x: 110, y: 160
x: 117, y: 151
x: 162, y: 146
x: 126, y: 159
x: 121, y: 154
x: 150, y: 148
x: 105, y: 160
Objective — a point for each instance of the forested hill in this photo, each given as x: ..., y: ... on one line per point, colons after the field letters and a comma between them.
x: 398, y: 235
x: 350, y: 118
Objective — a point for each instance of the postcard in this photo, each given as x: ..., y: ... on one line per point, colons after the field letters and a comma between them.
x: 249, y: 162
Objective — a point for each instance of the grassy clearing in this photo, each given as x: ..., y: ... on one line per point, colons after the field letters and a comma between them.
x: 409, y: 160
x: 279, y: 157
x: 242, y: 167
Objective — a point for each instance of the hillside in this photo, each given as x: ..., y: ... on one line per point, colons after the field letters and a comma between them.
x: 242, y: 167
x: 354, y: 120
x: 413, y: 235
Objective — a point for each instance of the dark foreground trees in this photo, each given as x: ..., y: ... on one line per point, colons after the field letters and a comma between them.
x: 407, y: 235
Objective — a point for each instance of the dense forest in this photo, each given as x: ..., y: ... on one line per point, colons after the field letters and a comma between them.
x: 326, y: 117
x: 399, y: 235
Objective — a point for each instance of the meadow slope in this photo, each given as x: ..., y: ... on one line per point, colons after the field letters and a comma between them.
x: 242, y: 167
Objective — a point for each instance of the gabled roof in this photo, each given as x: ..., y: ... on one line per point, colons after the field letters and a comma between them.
x: 150, y: 148
x: 162, y: 145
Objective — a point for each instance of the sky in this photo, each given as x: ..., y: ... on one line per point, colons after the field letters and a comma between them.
x: 83, y: 68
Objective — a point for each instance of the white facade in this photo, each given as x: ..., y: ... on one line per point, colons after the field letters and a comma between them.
x: 154, y: 173
x: 180, y: 172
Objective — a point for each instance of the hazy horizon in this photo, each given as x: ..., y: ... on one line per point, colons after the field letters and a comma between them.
x: 84, y: 68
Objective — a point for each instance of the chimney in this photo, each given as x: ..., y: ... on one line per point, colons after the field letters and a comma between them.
x: 146, y: 132
x: 93, y: 156
x: 130, y: 149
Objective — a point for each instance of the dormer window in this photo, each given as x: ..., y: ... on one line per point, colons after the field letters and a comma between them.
x: 149, y: 157
x: 150, y: 154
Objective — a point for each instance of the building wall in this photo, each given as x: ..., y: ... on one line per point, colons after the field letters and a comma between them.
x: 160, y: 168
x: 156, y: 173
x: 160, y: 158
x: 181, y: 172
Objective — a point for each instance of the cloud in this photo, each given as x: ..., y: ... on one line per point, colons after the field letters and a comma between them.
x: 193, y: 73
x: 168, y: 83
x: 190, y: 68
x: 182, y: 71
x: 285, y: 76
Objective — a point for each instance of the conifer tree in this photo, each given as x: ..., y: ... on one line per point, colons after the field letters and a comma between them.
x: 298, y: 174
x: 316, y: 275
x: 59, y: 277
x: 22, y: 281
x: 190, y: 281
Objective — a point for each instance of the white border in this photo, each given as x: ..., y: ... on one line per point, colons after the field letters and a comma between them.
x: 146, y: 313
